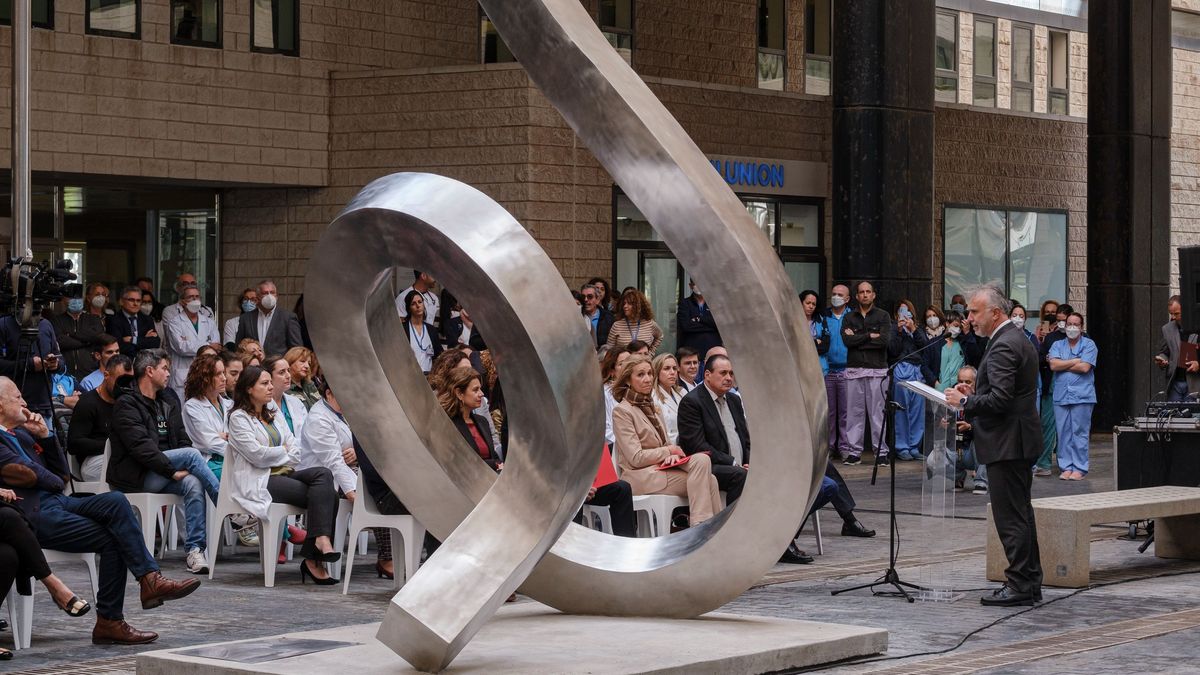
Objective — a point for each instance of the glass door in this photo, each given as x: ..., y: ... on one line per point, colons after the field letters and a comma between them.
x: 660, y: 278
x: 187, y: 242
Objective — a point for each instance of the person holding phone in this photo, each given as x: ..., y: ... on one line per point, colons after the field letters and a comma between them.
x: 904, y: 351
x: 35, y: 364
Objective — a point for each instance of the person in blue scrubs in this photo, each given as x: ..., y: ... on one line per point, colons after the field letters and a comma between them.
x: 1073, y: 362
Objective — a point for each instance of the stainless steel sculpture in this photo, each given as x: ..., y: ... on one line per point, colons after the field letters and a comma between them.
x: 512, y: 530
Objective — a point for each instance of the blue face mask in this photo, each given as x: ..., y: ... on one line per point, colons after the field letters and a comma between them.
x: 75, y: 305
x: 248, y: 306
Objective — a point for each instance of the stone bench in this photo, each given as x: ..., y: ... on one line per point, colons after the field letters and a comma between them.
x: 1064, y: 524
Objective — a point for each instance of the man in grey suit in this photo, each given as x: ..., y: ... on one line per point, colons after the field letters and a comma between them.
x: 1179, y: 380
x: 1002, y: 409
x: 275, y: 328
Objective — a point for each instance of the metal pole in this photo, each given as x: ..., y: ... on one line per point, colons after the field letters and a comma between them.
x: 21, y: 29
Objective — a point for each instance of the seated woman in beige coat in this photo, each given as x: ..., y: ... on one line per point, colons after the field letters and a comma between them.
x: 645, y: 454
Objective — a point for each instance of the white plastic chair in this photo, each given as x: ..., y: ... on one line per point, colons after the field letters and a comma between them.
x: 20, y: 607
x: 268, y: 547
x: 97, y: 487
x: 654, y: 513
x: 149, y: 505
x: 366, y: 514
x: 597, y: 518
x: 816, y: 520
x: 341, y: 522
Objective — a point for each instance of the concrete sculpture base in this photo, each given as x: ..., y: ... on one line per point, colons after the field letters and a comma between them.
x: 532, y: 638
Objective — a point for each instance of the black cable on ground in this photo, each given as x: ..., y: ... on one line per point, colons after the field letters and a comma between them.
x: 968, y: 636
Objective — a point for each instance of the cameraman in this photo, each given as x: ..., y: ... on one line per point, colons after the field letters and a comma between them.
x: 33, y: 363
x: 77, y: 332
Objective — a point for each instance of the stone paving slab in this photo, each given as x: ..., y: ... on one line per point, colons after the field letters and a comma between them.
x: 235, y: 605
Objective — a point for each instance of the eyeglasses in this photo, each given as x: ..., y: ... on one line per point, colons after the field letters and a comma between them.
x: 589, y: 296
x: 132, y: 299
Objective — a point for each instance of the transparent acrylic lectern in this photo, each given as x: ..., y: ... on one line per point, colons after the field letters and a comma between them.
x: 942, y: 461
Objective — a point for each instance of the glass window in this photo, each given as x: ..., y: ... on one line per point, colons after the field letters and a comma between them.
x: 945, y: 57
x: 493, y: 49
x: 1059, y: 72
x: 763, y: 214
x: 196, y: 22
x: 817, y: 46
x: 188, y: 242
x: 275, y: 27
x: 1024, y: 252
x: 616, y: 22
x: 1185, y: 30
x: 116, y: 18
x: 985, y: 63
x: 1022, y: 99
x: 42, y: 10
x: 631, y: 224
x: 771, y: 43
x: 799, y: 225
x: 1022, y: 68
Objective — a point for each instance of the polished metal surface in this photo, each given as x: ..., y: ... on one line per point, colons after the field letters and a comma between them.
x: 499, y: 528
x: 22, y: 27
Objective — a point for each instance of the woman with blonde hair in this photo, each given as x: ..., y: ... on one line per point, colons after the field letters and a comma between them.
x: 667, y: 392
x: 460, y: 392
x: 300, y: 365
x: 635, y: 321
x: 649, y: 462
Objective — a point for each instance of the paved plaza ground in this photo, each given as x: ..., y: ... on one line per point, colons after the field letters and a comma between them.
x: 1142, y: 614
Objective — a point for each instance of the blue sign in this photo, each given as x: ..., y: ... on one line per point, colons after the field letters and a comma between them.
x: 750, y: 174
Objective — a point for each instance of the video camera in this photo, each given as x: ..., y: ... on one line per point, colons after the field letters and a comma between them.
x: 27, y: 288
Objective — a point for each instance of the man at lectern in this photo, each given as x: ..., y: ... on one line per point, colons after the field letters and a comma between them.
x: 1003, y: 413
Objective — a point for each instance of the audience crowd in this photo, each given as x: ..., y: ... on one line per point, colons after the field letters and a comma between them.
x: 163, y: 399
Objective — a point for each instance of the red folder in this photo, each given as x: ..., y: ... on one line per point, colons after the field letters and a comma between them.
x: 607, y: 475
x: 676, y: 465
x: 1187, y: 352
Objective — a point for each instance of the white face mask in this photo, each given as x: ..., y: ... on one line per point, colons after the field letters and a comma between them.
x: 1073, y: 332
x: 146, y: 308
x: 269, y: 301
x: 953, y: 331
x: 99, y: 301
x: 1062, y: 325
x: 1019, y: 322
x: 932, y: 321
x: 837, y: 301
x: 193, y: 306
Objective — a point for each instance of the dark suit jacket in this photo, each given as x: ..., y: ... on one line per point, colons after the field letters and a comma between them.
x: 452, y: 328
x: 700, y: 428
x: 29, y: 472
x: 493, y: 460
x: 118, y: 327
x: 282, y: 335
x: 697, y: 328
x: 607, y: 319
x: 1003, y: 410
x: 1168, y: 348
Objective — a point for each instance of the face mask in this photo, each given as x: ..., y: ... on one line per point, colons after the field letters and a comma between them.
x: 837, y: 301
x: 932, y: 321
x: 953, y: 331
x: 75, y: 305
x: 1073, y: 332
x: 146, y: 308
x: 697, y: 291
x: 193, y: 306
x: 1048, y: 317
x: 99, y: 301
x: 1062, y: 325
x: 959, y: 308
x: 248, y: 305
x: 269, y: 301
x: 1019, y: 322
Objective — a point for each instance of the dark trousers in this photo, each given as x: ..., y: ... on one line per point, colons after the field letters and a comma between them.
x: 1009, y: 485
x: 314, y: 490
x: 730, y: 480
x: 20, y: 555
x: 104, y: 524
x: 618, y: 497
x: 842, y: 500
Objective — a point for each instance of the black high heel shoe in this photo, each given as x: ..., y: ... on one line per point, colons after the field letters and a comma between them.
x: 383, y: 574
x: 306, y: 573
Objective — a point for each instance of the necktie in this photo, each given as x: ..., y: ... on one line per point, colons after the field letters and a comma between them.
x: 133, y: 331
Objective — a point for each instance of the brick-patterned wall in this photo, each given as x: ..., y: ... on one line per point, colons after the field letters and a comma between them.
x: 490, y: 127
x: 1185, y: 157
x: 148, y: 108
x: 1014, y: 161
x: 710, y: 41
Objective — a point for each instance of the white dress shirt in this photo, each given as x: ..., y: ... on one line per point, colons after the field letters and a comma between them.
x: 325, y: 434
x: 735, y: 441
x: 668, y: 403
x: 264, y: 325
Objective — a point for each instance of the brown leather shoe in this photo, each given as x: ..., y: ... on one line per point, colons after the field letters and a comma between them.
x: 157, y: 589
x: 117, y: 632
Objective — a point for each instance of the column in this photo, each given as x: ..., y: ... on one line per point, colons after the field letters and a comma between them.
x: 883, y: 147
x: 1129, y: 198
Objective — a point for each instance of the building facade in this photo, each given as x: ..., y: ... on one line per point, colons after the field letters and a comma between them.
x: 221, y: 137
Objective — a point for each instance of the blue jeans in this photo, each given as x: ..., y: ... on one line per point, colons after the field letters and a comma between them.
x: 970, y: 461
x: 1177, y: 390
x: 103, y: 524
x: 200, y: 479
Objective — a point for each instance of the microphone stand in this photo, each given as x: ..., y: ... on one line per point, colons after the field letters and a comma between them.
x: 890, y: 576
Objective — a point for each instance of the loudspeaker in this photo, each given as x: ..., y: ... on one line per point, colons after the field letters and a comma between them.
x: 1189, y: 287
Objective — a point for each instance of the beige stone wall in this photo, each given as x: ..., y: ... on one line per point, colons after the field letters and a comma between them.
x: 1041, y: 69
x: 966, y: 58
x: 1004, y: 64
x: 1077, y: 74
x: 1014, y: 161
x: 711, y: 41
x: 1185, y: 157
